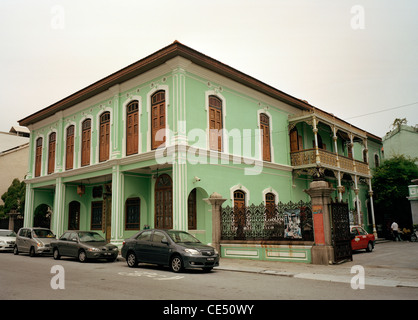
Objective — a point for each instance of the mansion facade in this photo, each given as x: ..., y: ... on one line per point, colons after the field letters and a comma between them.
x: 143, y: 147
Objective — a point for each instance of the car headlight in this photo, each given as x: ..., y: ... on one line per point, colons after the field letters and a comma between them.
x: 192, y: 251
x: 2, y: 242
x: 216, y: 251
x: 93, y: 249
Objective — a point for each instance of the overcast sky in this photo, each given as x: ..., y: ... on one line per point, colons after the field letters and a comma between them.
x: 355, y: 59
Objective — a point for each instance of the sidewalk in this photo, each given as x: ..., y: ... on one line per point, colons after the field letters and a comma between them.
x: 381, y: 267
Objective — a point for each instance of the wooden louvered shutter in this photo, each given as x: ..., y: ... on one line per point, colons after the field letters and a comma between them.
x: 104, y: 136
x: 132, y: 128
x: 265, y: 136
x: 157, y: 119
x: 69, y: 152
x: 51, y: 152
x: 215, y: 123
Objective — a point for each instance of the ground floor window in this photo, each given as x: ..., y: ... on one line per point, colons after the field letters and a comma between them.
x: 96, y: 215
x: 132, y: 214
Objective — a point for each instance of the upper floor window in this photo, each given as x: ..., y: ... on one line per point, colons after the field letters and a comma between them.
x: 104, y: 139
x: 132, y: 128
x: 51, y: 152
x: 265, y: 136
x: 38, y: 157
x: 69, y: 152
x: 158, y: 119
x: 85, y: 142
x: 376, y: 160
x: 215, y: 123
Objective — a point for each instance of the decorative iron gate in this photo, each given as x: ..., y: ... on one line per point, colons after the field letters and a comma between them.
x: 289, y: 221
x: 341, y: 231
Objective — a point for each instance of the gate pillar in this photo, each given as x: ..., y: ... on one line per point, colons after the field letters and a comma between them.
x: 216, y: 200
x: 322, y: 250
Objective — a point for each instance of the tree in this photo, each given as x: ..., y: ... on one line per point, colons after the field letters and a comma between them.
x: 397, y: 123
x: 14, y: 198
x: 390, y: 185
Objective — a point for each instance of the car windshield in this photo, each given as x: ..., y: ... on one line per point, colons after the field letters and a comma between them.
x: 7, y: 233
x: 90, y: 237
x: 43, y: 233
x: 182, y: 237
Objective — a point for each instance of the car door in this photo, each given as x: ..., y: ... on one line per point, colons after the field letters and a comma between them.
x: 160, y: 248
x: 62, y: 244
x: 72, y: 245
x: 143, y: 246
x: 355, y: 242
x: 363, y: 240
x: 23, y: 240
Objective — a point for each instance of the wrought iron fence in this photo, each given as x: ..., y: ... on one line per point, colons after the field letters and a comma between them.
x: 289, y: 221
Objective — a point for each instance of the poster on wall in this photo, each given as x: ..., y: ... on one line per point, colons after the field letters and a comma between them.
x: 292, y: 224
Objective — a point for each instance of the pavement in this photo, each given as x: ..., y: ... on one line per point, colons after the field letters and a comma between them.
x: 391, y: 264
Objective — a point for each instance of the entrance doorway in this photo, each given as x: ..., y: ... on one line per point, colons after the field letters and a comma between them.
x: 163, y: 202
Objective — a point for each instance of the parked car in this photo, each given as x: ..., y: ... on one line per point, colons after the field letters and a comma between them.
x: 360, y: 239
x: 7, y: 240
x: 173, y: 248
x: 33, y: 241
x: 84, y: 245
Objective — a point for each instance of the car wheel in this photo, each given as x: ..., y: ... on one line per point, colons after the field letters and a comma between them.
x: 369, y: 247
x: 131, y: 260
x: 32, y: 252
x: 57, y: 255
x: 82, y: 257
x: 176, y: 264
x: 15, y: 250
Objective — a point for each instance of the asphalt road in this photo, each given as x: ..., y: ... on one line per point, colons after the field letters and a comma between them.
x: 43, y: 278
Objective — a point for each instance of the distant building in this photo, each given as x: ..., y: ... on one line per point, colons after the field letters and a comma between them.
x: 402, y: 140
x: 14, y: 153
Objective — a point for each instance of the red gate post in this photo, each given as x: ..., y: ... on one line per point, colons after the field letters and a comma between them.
x: 322, y: 250
x: 216, y: 200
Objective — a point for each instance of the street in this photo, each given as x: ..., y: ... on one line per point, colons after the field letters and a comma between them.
x: 44, y: 278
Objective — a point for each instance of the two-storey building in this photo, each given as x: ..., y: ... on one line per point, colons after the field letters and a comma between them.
x: 144, y: 146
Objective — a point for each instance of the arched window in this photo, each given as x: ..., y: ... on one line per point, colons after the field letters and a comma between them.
x: 215, y: 123
x: 38, y: 157
x: 158, y: 119
x: 376, y: 160
x: 240, y: 217
x: 265, y: 136
x: 104, y: 143
x: 132, y: 128
x: 270, y: 205
x: 85, y: 142
x: 132, y: 216
x: 69, y: 152
x: 51, y: 152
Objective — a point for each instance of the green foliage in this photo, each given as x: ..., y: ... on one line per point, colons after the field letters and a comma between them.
x: 391, y: 179
x: 14, y: 198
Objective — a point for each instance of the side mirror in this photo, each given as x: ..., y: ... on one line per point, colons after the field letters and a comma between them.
x: 74, y: 239
x: 164, y: 241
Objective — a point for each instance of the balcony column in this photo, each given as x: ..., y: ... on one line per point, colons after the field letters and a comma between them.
x: 315, y: 131
x: 372, y: 208
x: 352, y: 151
x: 356, y: 191
x: 340, y: 188
x: 335, y: 138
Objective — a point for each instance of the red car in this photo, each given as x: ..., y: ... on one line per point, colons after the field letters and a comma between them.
x: 360, y: 239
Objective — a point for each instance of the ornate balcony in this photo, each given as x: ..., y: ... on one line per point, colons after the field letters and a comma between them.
x: 305, y: 159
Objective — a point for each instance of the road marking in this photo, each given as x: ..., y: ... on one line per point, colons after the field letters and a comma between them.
x: 152, y: 275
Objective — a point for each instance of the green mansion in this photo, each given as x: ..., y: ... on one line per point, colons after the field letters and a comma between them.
x: 143, y: 147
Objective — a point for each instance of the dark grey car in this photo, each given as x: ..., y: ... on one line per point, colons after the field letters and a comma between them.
x: 173, y: 248
x: 84, y: 245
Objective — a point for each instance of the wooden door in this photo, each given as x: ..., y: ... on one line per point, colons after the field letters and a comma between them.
x: 85, y: 142
x: 132, y: 128
x: 215, y: 123
x: 265, y: 136
x: 294, y: 141
x: 163, y: 202
x: 51, y: 152
x: 158, y: 119
x: 38, y: 157
x: 69, y: 152
x: 104, y: 137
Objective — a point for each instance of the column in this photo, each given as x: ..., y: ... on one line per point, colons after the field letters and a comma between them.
x: 356, y: 191
x: 180, y: 192
x: 117, y: 210
x: 315, y: 131
x: 372, y: 208
x: 58, y: 221
x: 216, y: 200
x: 28, y: 214
x: 322, y: 250
x: 115, y: 125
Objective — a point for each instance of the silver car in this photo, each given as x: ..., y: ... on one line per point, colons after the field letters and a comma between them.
x: 34, y: 241
x: 7, y: 239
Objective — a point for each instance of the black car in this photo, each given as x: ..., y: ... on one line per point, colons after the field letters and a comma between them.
x: 173, y: 248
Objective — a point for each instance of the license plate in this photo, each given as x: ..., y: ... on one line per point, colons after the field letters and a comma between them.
x: 210, y: 259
